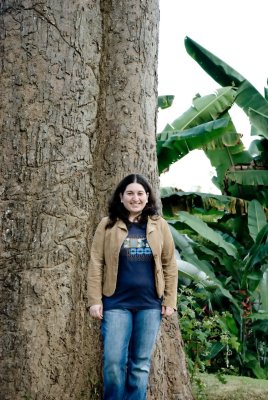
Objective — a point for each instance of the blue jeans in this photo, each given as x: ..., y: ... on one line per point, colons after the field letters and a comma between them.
x: 128, y: 338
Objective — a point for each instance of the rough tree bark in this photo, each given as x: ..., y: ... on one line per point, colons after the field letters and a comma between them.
x: 77, y: 112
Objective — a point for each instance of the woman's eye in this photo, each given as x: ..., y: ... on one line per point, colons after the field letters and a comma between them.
x: 132, y: 194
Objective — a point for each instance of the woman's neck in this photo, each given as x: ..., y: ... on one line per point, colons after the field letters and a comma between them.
x: 134, y: 217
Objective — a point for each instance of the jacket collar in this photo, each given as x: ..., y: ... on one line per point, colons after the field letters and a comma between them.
x: 121, y: 224
x: 151, y: 224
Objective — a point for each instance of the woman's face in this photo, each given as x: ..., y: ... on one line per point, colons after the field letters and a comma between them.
x: 134, y: 199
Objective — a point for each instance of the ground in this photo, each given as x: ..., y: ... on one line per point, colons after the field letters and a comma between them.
x: 235, y: 388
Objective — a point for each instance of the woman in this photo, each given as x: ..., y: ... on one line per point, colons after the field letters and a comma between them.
x: 132, y: 282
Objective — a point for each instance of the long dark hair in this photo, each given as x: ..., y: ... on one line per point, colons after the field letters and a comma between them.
x: 116, y: 209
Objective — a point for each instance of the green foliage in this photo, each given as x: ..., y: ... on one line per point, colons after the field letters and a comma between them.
x: 204, y: 230
x: 206, y: 335
x: 206, y: 120
x: 165, y: 101
x: 173, y: 145
x: 260, y: 121
x: 204, y: 109
x: 247, y: 96
x: 237, y: 169
x: 232, y: 281
x: 256, y: 219
x: 222, y: 241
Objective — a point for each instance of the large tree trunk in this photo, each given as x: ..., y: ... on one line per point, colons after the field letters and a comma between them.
x: 78, y: 104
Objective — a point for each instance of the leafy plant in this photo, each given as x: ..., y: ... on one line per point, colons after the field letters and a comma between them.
x: 233, y: 272
x: 222, y: 241
x: 205, y: 334
x: 204, y: 121
x: 238, y: 171
x: 223, y: 244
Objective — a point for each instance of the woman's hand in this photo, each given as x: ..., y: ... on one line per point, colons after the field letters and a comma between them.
x: 96, y: 311
x: 167, y: 311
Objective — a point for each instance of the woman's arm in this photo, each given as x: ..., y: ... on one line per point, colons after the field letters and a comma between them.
x: 96, y: 264
x: 170, y: 269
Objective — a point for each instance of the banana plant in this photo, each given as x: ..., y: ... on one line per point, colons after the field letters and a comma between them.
x: 238, y: 171
x: 222, y: 240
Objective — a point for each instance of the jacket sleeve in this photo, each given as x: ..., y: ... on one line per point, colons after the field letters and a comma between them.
x: 96, y: 264
x: 169, y: 266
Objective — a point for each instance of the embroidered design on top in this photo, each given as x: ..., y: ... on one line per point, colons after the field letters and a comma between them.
x: 137, y: 247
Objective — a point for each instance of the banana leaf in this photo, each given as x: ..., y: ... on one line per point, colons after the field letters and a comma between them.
x: 165, y: 101
x: 213, y: 205
x: 263, y: 290
x: 259, y: 372
x: 258, y: 150
x: 214, y: 66
x: 180, y: 241
x: 205, y: 275
x: 204, y: 109
x: 257, y: 255
x: 231, y: 140
x: 205, y: 231
x: 256, y: 218
x: 247, y: 95
x: 171, y: 146
x: 215, y: 349
x: 258, y: 258
x: 248, y: 192
x: 262, y: 236
x: 208, y: 115
x: 259, y: 251
x: 191, y: 272
x: 259, y: 316
x: 223, y: 160
x: 249, y: 177
x: 260, y: 121
x: 223, y: 157
x: 226, y: 152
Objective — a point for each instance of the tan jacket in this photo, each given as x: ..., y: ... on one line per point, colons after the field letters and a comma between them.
x: 103, y: 266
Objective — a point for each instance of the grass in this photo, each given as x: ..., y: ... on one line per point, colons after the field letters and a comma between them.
x: 235, y: 388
